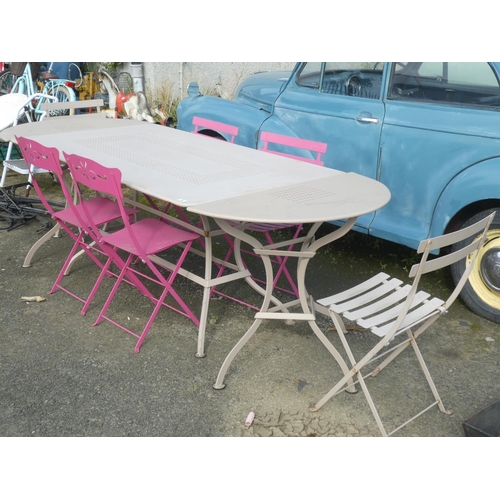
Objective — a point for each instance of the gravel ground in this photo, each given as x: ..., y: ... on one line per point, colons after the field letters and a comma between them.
x: 64, y: 377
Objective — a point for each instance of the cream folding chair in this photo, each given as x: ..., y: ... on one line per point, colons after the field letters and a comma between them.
x: 71, y: 219
x: 387, y: 308
x: 141, y: 241
x: 14, y: 107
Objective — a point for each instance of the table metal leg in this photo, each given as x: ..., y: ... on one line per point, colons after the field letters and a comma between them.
x: 219, y: 383
x: 304, y: 255
x: 200, y: 353
x: 52, y: 233
x: 209, y: 283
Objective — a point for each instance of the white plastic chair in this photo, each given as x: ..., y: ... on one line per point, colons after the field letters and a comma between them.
x: 13, y: 107
x: 385, y: 307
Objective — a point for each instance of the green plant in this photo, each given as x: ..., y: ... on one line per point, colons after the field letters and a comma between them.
x: 164, y: 97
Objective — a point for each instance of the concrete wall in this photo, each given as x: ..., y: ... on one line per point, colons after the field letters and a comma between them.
x: 176, y: 76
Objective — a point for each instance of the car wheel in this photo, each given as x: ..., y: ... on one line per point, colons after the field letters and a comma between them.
x: 481, y: 292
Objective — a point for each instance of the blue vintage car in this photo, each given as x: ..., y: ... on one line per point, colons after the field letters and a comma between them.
x: 430, y: 131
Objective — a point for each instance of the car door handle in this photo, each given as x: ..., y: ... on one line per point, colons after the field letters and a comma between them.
x: 366, y: 119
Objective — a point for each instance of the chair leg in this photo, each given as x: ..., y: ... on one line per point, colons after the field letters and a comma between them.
x: 357, y: 367
x: 427, y: 374
x: 4, y: 175
x: 347, y: 378
x: 371, y: 404
x: 155, y: 312
x: 113, y: 290
x: 96, y: 286
x: 76, y: 246
x: 168, y: 289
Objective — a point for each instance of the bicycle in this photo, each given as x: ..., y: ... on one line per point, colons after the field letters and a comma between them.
x: 18, y: 210
x: 60, y: 88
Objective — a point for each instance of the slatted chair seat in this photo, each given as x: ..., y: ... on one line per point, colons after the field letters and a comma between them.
x: 387, y: 308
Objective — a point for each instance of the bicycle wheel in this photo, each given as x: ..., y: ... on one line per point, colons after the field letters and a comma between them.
x: 63, y: 94
x: 6, y: 82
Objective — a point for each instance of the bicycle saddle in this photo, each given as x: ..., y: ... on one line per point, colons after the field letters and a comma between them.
x: 45, y: 75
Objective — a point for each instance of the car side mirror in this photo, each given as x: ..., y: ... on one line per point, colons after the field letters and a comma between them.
x: 193, y: 90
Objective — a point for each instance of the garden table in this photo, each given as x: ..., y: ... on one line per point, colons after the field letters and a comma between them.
x: 221, y: 181
x: 341, y: 197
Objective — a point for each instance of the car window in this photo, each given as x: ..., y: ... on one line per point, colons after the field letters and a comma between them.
x: 354, y: 79
x: 310, y: 75
x: 461, y: 83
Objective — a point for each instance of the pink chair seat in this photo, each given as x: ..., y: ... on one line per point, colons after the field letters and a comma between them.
x: 101, y: 209
x: 152, y: 234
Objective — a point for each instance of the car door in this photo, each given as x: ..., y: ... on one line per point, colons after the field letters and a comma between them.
x: 440, y: 119
x: 338, y: 104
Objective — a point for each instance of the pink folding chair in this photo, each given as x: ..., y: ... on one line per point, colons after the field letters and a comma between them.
x: 218, y: 130
x: 201, y: 125
x: 207, y: 125
x: 102, y: 209
x: 294, y: 144
x: 211, y: 125
x: 299, y: 144
x: 142, y: 240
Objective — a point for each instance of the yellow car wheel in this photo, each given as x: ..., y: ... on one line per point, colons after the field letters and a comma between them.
x: 481, y: 293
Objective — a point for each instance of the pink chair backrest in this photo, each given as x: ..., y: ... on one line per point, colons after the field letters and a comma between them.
x: 38, y: 156
x: 105, y: 180
x: 224, y: 128
x: 294, y: 142
x: 95, y: 176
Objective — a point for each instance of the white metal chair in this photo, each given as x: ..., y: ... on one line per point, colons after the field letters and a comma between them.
x: 386, y: 308
x: 14, y: 107
x: 87, y: 104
